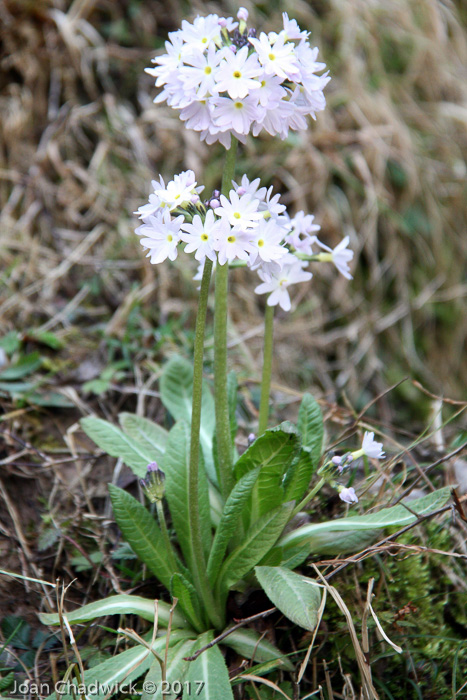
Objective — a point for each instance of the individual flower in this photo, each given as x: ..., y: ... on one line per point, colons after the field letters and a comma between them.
x: 201, y: 34
x: 252, y: 188
x: 371, y: 448
x: 233, y: 243
x: 238, y: 73
x: 277, y: 57
x: 277, y: 282
x: 201, y: 70
x: 340, y: 256
x: 347, y: 495
x: 201, y: 236
x: 178, y: 191
x: 266, y: 239
x: 236, y: 115
x: 161, y: 236
x: 239, y: 211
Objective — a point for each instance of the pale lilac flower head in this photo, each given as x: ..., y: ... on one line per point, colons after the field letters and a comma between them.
x: 225, y: 81
x: 277, y: 282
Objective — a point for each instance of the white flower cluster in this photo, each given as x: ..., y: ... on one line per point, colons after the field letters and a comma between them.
x: 225, y: 80
x: 250, y: 226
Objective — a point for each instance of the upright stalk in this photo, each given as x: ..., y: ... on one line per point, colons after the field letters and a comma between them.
x: 267, y: 367
x: 198, y: 559
x: 224, y: 446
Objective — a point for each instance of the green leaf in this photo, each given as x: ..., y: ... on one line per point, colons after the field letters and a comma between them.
x: 298, y: 597
x: 176, y: 389
x: 251, y: 645
x: 177, y: 488
x: 273, y: 452
x: 6, y: 681
x: 188, y: 600
x: 123, y: 668
x: 299, y: 476
x: 111, y: 439
x: 230, y: 521
x: 119, y: 605
x: 151, y: 437
x: 25, y: 365
x: 142, y: 532
x: 259, y: 539
x: 311, y: 428
x: 177, y: 668
x: 208, y: 673
x: 387, y: 517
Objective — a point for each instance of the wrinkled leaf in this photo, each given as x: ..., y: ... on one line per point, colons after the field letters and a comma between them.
x: 177, y: 668
x: 298, y: 597
x: 311, y: 428
x: 273, y: 452
x: 177, y: 486
x: 114, y: 441
x: 259, y: 539
x: 208, y: 673
x: 188, y: 600
x: 142, y: 532
x: 176, y: 389
x: 152, y: 437
x: 119, y: 605
x: 252, y: 645
x: 230, y: 520
x: 386, y: 517
x: 123, y: 668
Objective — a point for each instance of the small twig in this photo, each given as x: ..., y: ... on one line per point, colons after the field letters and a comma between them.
x: 225, y: 634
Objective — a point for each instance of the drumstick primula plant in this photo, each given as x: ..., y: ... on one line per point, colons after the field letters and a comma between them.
x: 233, y: 515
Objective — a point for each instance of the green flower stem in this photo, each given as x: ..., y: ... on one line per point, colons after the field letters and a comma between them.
x: 267, y: 368
x: 198, y: 559
x: 308, y: 497
x: 224, y: 445
x: 165, y: 535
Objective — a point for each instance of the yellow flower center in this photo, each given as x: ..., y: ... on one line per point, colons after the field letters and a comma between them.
x: 170, y: 238
x: 231, y: 239
x: 260, y: 243
x: 208, y: 70
x: 272, y: 57
x: 237, y: 215
x: 238, y: 105
x: 204, y: 237
x: 237, y: 74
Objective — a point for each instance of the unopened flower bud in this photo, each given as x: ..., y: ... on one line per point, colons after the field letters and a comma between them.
x: 222, y: 22
x: 251, y: 438
x: 153, y: 484
x: 241, y: 191
x: 214, y: 204
x: 242, y: 14
x: 233, y: 48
